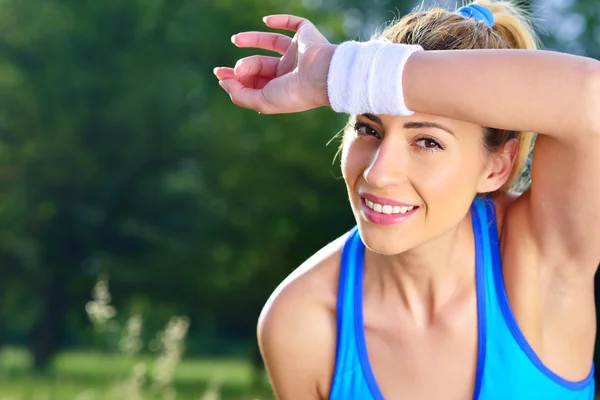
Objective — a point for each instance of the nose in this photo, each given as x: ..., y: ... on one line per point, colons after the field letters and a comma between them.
x: 388, y: 166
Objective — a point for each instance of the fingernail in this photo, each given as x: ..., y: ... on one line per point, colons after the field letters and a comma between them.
x: 215, y: 71
x: 223, y: 85
x: 233, y: 39
x: 265, y: 20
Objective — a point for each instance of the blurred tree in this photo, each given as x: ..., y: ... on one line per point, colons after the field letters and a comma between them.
x: 119, y: 153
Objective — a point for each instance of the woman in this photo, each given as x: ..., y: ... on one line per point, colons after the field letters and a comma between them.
x: 451, y: 286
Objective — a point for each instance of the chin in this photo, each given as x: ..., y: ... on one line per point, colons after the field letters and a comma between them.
x: 383, y: 241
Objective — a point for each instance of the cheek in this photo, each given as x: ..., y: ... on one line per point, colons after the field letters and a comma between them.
x: 437, y: 173
x: 447, y: 187
x: 445, y: 174
x: 354, y: 160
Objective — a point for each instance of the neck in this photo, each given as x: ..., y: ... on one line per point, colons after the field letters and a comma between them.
x: 428, y: 277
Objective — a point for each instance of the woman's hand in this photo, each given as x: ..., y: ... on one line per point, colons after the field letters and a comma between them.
x: 270, y: 85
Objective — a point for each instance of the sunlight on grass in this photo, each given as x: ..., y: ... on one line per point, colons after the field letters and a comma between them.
x: 91, y: 376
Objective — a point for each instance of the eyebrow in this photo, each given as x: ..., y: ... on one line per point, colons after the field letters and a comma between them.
x: 373, y: 118
x: 418, y: 124
x: 411, y: 124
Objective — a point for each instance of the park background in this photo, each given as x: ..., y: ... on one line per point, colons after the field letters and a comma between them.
x: 144, y: 218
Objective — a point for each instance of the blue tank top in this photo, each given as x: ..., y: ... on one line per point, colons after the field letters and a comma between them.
x: 507, y: 367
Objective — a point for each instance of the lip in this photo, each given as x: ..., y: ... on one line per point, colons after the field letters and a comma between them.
x: 384, y: 201
x: 385, y: 219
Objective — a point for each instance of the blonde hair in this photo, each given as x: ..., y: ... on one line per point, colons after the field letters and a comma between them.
x: 439, y: 29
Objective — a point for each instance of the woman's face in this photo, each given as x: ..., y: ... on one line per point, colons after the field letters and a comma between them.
x: 411, y: 179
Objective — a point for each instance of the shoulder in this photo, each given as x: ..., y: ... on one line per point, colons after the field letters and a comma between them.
x: 297, y: 327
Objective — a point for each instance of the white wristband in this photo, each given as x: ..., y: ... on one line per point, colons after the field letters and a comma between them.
x: 367, y: 77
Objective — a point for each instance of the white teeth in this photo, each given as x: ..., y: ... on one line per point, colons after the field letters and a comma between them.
x: 388, y: 209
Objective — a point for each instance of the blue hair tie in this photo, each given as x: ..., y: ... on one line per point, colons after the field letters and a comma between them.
x: 479, y: 13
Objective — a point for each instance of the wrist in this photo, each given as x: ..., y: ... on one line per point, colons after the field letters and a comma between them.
x: 367, y: 77
x: 321, y: 72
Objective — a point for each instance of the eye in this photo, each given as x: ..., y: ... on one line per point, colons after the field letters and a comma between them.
x: 429, y: 144
x: 365, y: 130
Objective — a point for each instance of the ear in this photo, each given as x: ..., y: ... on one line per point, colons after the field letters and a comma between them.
x: 499, y: 167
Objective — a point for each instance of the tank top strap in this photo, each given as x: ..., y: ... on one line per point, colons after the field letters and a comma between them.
x: 351, y: 270
x: 483, y: 282
x: 490, y: 248
x: 487, y: 242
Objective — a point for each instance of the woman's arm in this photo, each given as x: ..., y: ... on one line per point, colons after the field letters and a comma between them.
x: 289, y: 339
x: 297, y: 328
x: 523, y: 90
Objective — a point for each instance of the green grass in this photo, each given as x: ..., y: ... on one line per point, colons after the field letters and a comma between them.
x: 91, y: 376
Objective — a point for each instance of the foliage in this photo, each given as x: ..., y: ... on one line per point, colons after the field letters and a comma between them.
x: 120, y: 154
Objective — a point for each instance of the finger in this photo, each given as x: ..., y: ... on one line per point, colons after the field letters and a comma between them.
x: 244, y: 96
x: 293, y: 23
x: 276, y: 42
x: 224, y: 73
x: 254, y: 81
x: 257, y: 65
x: 284, y: 21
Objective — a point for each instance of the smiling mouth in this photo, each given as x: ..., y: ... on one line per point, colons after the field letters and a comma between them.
x: 388, y: 209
